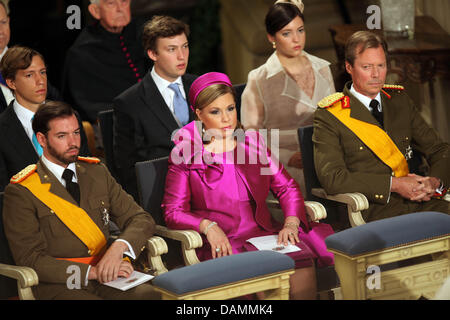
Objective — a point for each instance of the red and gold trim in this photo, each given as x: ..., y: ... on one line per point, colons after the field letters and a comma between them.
x: 331, y: 100
x: 89, y: 159
x: 22, y: 175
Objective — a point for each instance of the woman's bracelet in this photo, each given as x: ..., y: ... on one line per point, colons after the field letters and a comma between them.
x: 291, y: 224
x: 208, y: 227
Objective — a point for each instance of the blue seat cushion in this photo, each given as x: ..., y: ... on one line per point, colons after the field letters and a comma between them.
x: 391, y: 232
x: 225, y: 270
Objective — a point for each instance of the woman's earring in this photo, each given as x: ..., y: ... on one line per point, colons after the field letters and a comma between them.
x: 274, y: 45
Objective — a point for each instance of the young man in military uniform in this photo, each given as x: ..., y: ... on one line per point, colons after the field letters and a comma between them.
x: 56, y: 216
x: 364, y: 136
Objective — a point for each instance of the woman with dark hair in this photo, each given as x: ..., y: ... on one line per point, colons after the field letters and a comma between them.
x: 219, y: 178
x: 283, y: 93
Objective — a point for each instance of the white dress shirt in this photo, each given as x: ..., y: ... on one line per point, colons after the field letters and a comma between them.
x: 366, y: 100
x: 166, y: 92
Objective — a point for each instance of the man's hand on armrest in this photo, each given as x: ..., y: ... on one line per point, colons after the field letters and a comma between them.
x: 109, y: 266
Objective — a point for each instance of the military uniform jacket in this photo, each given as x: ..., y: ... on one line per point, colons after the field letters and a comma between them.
x: 37, y: 237
x: 344, y: 164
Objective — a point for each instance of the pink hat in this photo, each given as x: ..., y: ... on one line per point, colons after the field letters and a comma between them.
x: 205, y: 81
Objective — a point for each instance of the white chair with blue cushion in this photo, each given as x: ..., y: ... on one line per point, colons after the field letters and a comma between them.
x: 361, y: 250
x: 229, y: 277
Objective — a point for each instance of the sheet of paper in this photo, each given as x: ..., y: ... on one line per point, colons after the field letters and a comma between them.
x: 135, y: 279
x: 270, y: 243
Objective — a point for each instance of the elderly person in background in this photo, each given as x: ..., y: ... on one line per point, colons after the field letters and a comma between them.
x: 106, y: 59
x: 283, y: 93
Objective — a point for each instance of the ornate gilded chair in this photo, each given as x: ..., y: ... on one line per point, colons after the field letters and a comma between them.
x: 355, y: 202
x: 404, y: 257
x: 151, y: 177
x: 381, y: 245
x: 26, y: 277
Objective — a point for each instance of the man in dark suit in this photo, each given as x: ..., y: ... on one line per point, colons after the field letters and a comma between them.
x: 26, y: 75
x: 56, y: 215
x: 147, y: 114
x: 365, y: 135
x: 106, y: 59
x: 6, y: 95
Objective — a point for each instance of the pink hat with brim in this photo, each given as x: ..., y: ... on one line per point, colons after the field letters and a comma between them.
x: 205, y: 81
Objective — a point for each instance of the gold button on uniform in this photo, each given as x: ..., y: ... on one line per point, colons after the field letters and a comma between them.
x: 377, y: 196
x: 360, y: 148
x: 381, y: 196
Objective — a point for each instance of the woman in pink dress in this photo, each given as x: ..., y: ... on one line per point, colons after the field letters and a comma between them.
x: 219, y: 178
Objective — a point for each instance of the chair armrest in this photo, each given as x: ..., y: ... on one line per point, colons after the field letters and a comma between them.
x: 190, y: 240
x: 447, y: 197
x: 356, y: 202
x: 156, y: 248
x: 315, y: 210
x: 26, y: 278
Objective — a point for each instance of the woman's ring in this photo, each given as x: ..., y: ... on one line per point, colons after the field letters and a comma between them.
x: 217, y: 249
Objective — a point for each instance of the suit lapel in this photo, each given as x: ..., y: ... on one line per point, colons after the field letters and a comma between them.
x: 153, y: 99
x: 3, y: 104
x: 186, y: 86
x: 15, y: 130
x: 86, y: 182
x: 387, y: 116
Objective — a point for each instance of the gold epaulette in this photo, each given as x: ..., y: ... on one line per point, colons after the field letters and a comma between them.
x: 89, y: 159
x: 330, y: 100
x: 393, y: 87
x: 22, y: 175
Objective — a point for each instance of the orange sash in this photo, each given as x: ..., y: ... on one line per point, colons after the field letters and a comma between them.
x: 93, y: 260
x: 374, y: 138
x: 74, y: 217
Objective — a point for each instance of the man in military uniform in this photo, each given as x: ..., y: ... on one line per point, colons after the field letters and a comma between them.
x: 56, y: 216
x: 364, y: 137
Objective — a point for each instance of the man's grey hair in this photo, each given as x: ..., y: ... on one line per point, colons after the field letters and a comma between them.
x: 95, y: 1
x: 4, y: 3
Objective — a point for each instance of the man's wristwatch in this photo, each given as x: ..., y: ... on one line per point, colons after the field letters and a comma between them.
x: 441, y: 191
